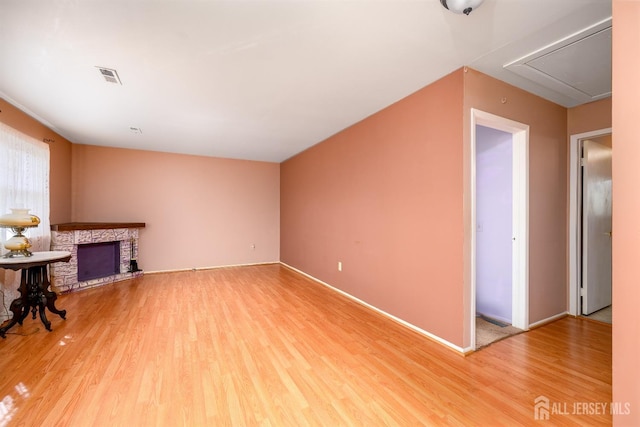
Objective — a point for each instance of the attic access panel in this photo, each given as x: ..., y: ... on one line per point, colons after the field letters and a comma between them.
x: 578, y: 66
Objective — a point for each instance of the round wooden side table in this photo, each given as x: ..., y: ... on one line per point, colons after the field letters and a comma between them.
x: 35, y: 295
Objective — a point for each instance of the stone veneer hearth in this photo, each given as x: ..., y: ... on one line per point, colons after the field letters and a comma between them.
x: 67, y: 237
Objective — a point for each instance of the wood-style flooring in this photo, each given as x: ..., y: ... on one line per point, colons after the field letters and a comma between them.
x: 263, y: 345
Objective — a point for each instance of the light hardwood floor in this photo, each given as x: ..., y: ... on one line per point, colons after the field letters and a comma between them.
x: 263, y: 345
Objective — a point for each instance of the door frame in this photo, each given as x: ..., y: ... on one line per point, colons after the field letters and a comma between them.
x: 520, y: 250
x: 575, y: 199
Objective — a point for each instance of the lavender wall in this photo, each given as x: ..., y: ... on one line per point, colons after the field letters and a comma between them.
x: 494, y: 200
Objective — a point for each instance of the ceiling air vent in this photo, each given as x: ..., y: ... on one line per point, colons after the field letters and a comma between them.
x: 111, y: 76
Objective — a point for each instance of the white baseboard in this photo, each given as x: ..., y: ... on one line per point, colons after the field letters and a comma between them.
x: 211, y: 268
x: 384, y: 313
x: 548, y: 320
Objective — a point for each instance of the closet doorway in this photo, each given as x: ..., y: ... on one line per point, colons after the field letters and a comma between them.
x: 499, y: 225
x: 590, y: 231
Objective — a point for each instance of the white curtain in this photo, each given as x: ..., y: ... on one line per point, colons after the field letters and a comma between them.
x: 24, y: 183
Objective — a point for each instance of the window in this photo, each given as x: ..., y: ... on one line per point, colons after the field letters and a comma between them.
x: 24, y: 182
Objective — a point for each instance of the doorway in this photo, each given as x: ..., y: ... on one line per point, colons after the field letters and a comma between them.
x: 590, y: 235
x: 511, y: 305
x: 494, y: 225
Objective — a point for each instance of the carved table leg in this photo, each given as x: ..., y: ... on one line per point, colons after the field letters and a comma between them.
x: 39, y: 276
x: 21, y: 309
x: 18, y: 310
x: 37, y: 300
x: 43, y: 315
x: 51, y: 297
x: 24, y: 298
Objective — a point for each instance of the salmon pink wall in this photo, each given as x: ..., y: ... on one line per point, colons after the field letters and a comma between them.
x: 384, y: 197
x: 60, y: 158
x: 199, y: 211
x: 390, y: 198
x: 547, y: 184
x: 588, y: 117
x: 626, y: 211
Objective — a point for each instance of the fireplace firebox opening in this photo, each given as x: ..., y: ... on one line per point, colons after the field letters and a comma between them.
x: 97, y: 260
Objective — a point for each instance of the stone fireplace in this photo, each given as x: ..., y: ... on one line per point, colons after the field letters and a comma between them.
x: 101, y: 253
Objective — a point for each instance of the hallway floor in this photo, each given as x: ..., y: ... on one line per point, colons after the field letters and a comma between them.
x: 605, y: 315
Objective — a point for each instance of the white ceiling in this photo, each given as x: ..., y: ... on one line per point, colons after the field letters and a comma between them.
x: 261, y: 79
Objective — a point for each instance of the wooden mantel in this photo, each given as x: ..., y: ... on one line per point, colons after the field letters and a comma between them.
x: 72, y: 226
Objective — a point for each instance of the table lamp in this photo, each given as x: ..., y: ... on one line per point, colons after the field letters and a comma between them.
x: 18, y: 220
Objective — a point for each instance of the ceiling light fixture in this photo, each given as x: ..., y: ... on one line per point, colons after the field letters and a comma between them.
x: 461, y: 6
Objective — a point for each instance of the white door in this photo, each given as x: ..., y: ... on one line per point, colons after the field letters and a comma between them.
x: 596, y: 227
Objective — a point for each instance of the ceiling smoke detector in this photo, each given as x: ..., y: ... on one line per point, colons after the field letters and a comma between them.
x: 461, y: 6
x: 111, y: 76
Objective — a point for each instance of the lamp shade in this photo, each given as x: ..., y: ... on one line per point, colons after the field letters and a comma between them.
x: 461, y: 6
x: 19, y: 218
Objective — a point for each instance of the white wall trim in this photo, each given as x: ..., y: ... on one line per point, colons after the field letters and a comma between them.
x: 574, y: 203
x: 384, y: 313
x: 548, y: 320
x: 210, y: 268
